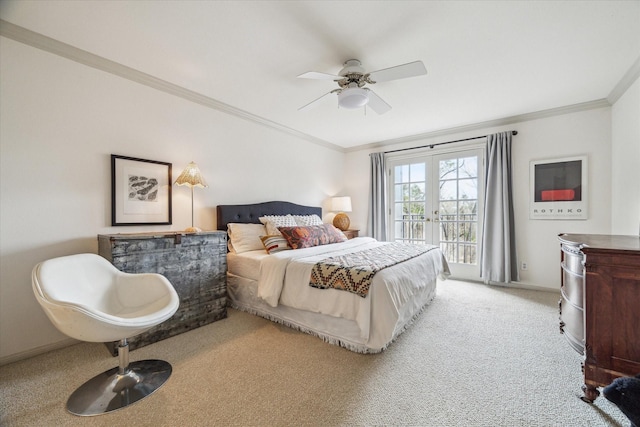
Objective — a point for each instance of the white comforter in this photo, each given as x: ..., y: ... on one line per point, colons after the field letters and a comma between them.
x: 284, y: 280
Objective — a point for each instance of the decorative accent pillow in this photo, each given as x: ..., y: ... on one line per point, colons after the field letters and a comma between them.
x: 314, y: 235
x: 273, y: 222
x: 306, y: 220
x: 245, y: 237
x: 275, y: 243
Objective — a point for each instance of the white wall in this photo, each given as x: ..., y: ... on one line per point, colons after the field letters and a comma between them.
x: 60, y: 123
x: 587, y: 132
x: 625, y: 190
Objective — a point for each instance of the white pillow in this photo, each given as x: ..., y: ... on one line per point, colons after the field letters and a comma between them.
x: 307, y: 220
x: 246, y: 237
x: 272, y: 222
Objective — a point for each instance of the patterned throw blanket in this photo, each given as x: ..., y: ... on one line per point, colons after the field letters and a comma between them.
x: 354, y: 272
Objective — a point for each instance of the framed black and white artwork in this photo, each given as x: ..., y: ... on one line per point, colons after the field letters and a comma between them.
x: 559, y: 188
x: 140, y: 191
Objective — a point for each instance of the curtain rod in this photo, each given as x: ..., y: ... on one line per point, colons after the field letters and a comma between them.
x: 513, y: 132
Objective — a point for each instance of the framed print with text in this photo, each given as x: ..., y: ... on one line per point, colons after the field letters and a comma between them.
x: 558, y: 188
x: 140, y: 191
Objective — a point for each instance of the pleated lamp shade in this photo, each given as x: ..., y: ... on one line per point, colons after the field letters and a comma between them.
x: 192, y: 177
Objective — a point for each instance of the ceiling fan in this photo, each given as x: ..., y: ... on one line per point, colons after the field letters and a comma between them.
x: 352, y: 79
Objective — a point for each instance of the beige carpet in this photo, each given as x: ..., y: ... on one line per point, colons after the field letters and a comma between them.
x: 478, y: 356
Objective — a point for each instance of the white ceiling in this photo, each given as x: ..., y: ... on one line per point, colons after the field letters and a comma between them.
x: 486, y: 60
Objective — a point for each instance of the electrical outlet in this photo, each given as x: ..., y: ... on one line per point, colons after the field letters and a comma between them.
x: 523, y: 265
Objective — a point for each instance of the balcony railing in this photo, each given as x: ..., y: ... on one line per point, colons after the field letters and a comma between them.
x: 458, y: 236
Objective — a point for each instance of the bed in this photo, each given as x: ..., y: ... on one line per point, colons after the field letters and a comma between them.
x: 276, y: 285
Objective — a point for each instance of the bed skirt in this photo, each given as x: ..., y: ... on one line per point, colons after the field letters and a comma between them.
x: 337, y: 331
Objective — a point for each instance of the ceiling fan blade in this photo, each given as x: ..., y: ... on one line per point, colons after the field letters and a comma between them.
x: 314, y: 102
x: 377, y: 104
x: 319, y: 76
x: 412, y: 69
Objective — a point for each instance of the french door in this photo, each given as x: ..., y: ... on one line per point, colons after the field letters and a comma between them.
x: 437, y: 199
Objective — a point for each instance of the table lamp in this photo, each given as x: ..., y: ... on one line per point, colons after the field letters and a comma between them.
x: 191, y: 176
x: 341, y: 205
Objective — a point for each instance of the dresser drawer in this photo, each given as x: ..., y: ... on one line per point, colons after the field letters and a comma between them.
x: 572, y: 287
x: 572, y: 259
x: 572, y: 322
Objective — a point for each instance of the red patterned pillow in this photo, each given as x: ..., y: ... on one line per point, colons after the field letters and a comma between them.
x: 314, y: 235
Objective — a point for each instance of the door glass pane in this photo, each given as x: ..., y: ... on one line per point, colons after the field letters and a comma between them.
x: 410, y: 196
x: 401, y: 173
x: 417, y: 230
x: 448, y: 190
x: 447, y: 209
x: 467, y: 232
x: 448, y: 231
x: 402, y: 192
x: 458, y: 209
x: 467, y: 189
x: 467, y: 254
x: 417, y: 210
x: 468, y: 210
x: 449, y: 250
x: 468, y: 167
x: 417, y: 172
x: 417, y: 191
x: 448, y: 169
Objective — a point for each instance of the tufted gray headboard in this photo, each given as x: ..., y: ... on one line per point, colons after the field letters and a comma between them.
x: 249, y: 214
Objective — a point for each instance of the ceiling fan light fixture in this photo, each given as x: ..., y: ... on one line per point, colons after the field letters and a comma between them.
x: 353, y: 97
x: 351, y: 81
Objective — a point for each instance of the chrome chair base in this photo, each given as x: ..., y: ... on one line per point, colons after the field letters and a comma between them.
x: 113, y: 390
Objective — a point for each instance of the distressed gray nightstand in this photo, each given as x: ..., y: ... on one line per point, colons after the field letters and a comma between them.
x: 194, y: 263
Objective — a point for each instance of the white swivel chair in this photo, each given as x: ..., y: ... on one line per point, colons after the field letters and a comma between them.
x: 88, y: 299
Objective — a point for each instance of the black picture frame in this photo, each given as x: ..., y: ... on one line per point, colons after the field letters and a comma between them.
x: 559, y: 189
x: 140, y: 191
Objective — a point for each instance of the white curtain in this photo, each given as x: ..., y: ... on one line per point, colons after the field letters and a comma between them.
x: 498, y: 262
x: 377, y: 221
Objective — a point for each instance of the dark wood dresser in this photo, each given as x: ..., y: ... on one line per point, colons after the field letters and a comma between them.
x: 600, y: 305
x: 194, y: 263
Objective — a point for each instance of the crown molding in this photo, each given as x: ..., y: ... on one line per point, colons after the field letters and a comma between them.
x: 590, y: 105
x: 48, y: 44
x: 625, y: 83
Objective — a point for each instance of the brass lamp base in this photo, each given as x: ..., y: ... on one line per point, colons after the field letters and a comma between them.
x: 341, y: 221
x: 193, y: 230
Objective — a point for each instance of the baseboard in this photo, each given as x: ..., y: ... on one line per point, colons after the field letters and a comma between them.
x: 5, y: 360
x: 517, y: 285
x: 525, y: 285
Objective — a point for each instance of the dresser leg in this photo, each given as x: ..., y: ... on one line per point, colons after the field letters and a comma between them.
x: 591, y: 393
